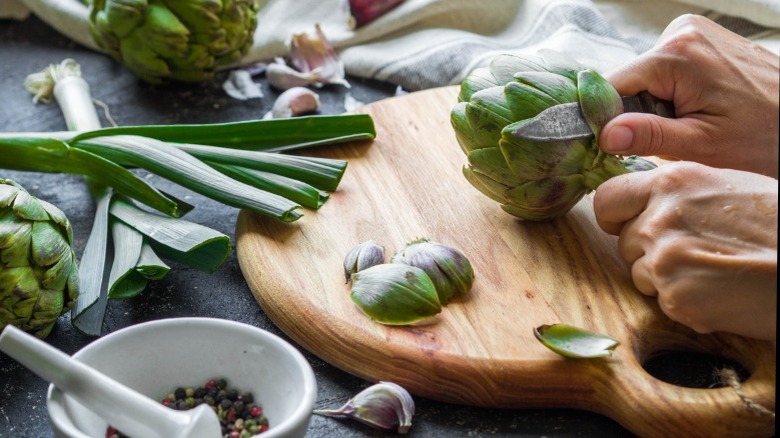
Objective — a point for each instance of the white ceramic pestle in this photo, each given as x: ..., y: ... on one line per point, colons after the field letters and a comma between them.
x: 125, y: 409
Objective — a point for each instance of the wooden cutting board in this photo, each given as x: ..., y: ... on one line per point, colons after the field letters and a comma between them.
x: 481, y: 349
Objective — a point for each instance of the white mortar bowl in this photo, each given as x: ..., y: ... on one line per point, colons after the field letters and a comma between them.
x: 157, y: 356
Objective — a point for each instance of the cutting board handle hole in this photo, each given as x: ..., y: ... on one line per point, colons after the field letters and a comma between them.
x: 692, y: 369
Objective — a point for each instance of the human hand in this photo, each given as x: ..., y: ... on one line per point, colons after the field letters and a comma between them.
x: 725, y: 89
x: 703, y: 240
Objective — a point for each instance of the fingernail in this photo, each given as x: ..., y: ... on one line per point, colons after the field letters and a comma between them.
x: 618, y: 140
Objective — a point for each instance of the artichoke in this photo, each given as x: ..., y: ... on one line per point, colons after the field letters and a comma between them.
x: 534, y: 180
x: 38, y: 270
x: 183, y: 40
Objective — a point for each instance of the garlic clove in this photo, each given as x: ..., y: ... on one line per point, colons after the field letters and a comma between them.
x: 395, y: 294
x: 317, y: 54
x: 385, y: 405
x: 450, y: 270
x: 294, y: 102
x: 363, y: 256
x: 284, y: 77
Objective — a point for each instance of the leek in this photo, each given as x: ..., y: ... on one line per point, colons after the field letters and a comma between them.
x: 237, y: 164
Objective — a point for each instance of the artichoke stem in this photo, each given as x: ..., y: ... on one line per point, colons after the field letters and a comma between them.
x: 608, y: 167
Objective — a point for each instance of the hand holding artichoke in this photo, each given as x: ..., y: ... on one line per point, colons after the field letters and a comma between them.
x: 534, y: 180
x: 183, y: 40
x: 38, y: 270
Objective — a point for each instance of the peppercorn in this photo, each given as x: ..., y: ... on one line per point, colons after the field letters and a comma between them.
x: 237, y: 413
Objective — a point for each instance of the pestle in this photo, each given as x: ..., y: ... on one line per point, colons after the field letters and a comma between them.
x: 125, y: 409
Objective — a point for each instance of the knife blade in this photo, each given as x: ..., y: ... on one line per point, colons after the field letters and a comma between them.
x: 566, y: 121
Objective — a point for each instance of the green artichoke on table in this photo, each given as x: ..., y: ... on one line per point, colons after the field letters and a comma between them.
x: 38, y: 270
x: 535, y: 180
x: 183, y: 40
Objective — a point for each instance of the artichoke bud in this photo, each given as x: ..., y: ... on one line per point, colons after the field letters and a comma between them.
x: 385, y: 406
x: 175, y: 39
x: 38, y: 269
x: 363, y: 256
x: 395, y: 294
x: 448, y: 268
x: 534, y: 180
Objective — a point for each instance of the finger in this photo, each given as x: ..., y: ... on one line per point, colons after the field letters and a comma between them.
x: 642, y: 277
x: 651, y: 135
x: 656, y: 69
x: 630, y: 244
x: 651, y: 72
x: 620, y: 199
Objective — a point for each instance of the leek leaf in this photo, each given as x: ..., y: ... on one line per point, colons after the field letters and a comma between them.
x: 323, y: 173
x: 260, y: 135
x: 123, y: 281
x: 87, y: 313
x: 176, y: 239
x: 169, y: 162
x: 44, y: 154
x: 292, y: 189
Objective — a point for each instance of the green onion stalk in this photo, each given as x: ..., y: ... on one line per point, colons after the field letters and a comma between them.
x: 237, y: 164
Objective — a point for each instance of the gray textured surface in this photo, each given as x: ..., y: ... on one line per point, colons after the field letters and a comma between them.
x: 26, y: 47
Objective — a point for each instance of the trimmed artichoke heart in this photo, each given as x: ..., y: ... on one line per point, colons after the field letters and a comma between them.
x: 173, y: 39
x: 533, y: 180
x: 38, y: 269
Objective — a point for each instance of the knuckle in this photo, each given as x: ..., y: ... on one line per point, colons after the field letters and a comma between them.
x: 685, y: 35
x: 672, y: 176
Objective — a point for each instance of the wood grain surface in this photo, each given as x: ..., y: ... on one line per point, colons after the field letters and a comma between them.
x: 480, y: 350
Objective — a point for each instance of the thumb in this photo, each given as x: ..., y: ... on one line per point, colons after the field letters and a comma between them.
x: 649, y: 135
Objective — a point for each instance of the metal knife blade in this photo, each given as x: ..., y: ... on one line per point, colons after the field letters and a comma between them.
x: 566, y: 122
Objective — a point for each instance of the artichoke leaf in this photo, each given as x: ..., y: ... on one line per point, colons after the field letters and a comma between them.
x: 599, y: 100
x: 526, y: 102
x: 574, y: 342
x: 491, y: 163
x: 538, y: 160
x: 395, y: 294
x: 504, y: 66
x: 468, y: 139
x: 547, y: 197
x: 490, y: 188
x: 560, y: 88
x: 479, y: 79
x: 560, y: 63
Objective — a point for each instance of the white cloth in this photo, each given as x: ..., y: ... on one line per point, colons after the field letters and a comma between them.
x: 428, y: 43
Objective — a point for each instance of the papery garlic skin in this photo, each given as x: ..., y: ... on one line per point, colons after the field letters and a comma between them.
x: 240, y: 85
x: 395, y: 294
x: 363, y: 256
x: 448, y: 268
x: 385, y: 405
x: 295, y: 102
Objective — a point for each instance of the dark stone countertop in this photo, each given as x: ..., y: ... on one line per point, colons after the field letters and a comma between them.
x: 29, y: 46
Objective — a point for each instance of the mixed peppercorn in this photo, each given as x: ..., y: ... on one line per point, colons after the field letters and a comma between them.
x: 238, y: 414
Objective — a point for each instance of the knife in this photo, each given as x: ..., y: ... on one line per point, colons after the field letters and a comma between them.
x: 566, y: 121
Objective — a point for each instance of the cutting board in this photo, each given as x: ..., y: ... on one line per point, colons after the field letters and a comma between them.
x: 480, y: 350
